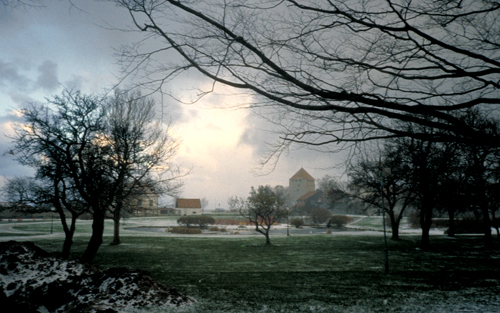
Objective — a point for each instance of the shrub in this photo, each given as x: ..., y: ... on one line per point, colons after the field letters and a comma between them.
x: 320, y: 216
x: 339, y: 220
x: 297, y: 222
x: 216, y: 228
x: 468, y: 226
x: 185, y: 230
x: 231, y: 222
x: 201, y: 221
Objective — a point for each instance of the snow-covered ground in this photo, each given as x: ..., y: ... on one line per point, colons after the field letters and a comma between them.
x: 32, y: 281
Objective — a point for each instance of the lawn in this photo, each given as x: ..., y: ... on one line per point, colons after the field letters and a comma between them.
x: 333, y: 273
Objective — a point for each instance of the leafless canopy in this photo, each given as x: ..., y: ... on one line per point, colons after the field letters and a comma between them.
x: 335, y: 71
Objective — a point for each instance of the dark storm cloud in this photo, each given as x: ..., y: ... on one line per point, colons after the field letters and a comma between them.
x: 13, y: 75
x: 10, y: 74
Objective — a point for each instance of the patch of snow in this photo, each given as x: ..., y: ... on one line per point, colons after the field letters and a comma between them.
x: 33, y: 281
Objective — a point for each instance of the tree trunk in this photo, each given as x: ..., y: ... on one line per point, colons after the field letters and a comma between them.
x: 395, y: 228
x: 117, y: 214
x: 451, y: 227
x: 96, y: 238
x: 68, y: 240
x: 488, y: 239
x: 68, y: 232
x: 116, y: 227
x: 425, y: 224
x: 268, y: 241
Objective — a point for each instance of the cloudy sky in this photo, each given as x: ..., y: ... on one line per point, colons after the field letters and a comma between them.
x: 61, y: 45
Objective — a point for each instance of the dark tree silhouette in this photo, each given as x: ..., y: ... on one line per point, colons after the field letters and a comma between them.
x: 335, y: 71
x: 71, y: 134
x: 382, y: 181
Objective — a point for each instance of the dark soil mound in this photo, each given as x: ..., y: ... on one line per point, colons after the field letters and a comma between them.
x: 31, y: 281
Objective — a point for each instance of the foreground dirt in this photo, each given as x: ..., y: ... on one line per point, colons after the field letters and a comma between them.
x: 31, y: 281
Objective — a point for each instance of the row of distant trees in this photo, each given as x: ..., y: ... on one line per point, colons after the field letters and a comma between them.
x: 431, y: 177
x: 454, y: 178
x: 92, y: 155
x: 396, y: 175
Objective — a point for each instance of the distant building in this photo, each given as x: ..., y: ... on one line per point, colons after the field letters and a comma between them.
x: 188, y: 207
x: 310, y: 201
x: 144, y: 202
x: 300, y: 184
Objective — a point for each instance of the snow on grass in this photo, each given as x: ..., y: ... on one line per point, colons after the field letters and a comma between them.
x: 31, y: 280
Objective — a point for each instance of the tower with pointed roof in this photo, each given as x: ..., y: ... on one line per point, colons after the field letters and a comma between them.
x: 300, y: 184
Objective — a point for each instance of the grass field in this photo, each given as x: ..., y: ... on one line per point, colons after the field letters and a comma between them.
x: 313, y: 273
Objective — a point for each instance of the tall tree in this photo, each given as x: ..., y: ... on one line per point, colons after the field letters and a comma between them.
x: 142, y: 151
x: 67, y: 131
x: 381, y: 181
x: 336, y: 71
x: 71, y: 131
x: 481, y: 164
x: 427, y: 165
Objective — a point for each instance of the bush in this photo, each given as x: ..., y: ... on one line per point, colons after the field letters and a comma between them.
x: 339, y: 220
x: 297, y: 222
x: 201, y: 221
x: 185, y: 230
x: 216, y: 228
x: 468, y: 226
x: 231, y: 222
x: 320, y: 216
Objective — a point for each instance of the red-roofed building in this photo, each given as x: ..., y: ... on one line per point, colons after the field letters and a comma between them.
x: 188, y: 207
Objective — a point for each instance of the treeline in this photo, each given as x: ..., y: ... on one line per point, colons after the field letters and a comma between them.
x: 433, y: 177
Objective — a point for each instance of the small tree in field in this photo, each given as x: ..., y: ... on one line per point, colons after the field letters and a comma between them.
x: 264, y: 207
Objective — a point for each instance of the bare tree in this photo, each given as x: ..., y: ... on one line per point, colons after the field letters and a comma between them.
x: 264, y: 207
x: 142, y: 151
x: 335, y: 193
x: 480, y: 167
x: 42, y: 195
x: 204, y: 203
x: 334, y: 71
x: 71, y: 131
x: 66, y: 131
x: 382, y: 181
x: 236, y: 204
